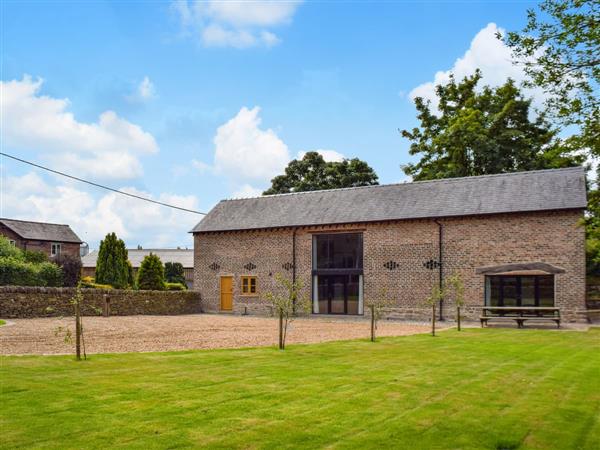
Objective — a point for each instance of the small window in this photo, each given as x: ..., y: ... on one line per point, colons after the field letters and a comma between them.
x: 248, y: 285
x: 55, y: 249
x: 13, y: 243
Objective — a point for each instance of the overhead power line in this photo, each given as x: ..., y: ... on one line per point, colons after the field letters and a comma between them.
x: 101, y: 185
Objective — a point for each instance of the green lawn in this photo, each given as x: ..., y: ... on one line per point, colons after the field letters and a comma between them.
x: 491, y: 388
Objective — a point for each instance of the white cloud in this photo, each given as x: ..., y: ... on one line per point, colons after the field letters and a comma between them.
x: 108, y: 148
x: 238, y: 24
x: 144, y: 91
x: 328, y: 155
x: 244, y: 151
x: 29, y: 197
x: 247, y: 191
x: 487, y: 53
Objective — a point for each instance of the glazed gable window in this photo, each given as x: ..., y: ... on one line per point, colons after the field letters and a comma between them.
x: 248, y: 285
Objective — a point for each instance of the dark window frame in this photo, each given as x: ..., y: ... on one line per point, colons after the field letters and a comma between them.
x: 519, y: 291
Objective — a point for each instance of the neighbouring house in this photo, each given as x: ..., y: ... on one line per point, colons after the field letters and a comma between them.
x: 50, y: 238
x: 515, y: 239
x: 136, y: 256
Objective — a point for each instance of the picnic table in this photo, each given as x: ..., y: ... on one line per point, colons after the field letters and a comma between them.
x: 520, y: 314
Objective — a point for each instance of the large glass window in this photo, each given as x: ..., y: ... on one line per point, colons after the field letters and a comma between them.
x: 338, y: 251
x: 535, y: 290
x: 337, y: 273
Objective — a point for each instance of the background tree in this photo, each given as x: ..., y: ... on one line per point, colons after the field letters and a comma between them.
x: 312, y: 173
x: 287, y: 301
x: 151, y: 275
x: 174, y: 273
x: 111, y: 265
x: 559, y: 49
x: 482, y: 131
x: 71, y: 268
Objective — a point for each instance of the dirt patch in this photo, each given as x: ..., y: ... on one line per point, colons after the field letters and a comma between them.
x: 195, y: 331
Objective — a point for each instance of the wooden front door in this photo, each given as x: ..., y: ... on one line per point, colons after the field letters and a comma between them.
x: 226, y: 293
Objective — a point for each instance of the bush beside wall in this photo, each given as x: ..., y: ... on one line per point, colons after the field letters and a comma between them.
x: 29, y: 302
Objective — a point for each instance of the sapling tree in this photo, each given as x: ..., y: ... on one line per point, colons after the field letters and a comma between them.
x: 437, y: 294
x: 287, y: 302
x: 77, y: 302
x: 458, y: 291
x: 376, y: 306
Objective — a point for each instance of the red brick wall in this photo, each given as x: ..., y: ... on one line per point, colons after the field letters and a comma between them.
x: 469, y: 242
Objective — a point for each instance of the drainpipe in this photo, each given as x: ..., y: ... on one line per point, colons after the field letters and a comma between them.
x: 294, y: 263
x: 440, y: 256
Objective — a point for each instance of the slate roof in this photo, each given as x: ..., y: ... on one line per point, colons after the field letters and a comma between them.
x: 42, y: 231
x: 539, y: 190
x: 183, y: 256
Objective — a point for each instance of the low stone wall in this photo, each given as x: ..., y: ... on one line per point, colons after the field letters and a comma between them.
x: 29, y: 302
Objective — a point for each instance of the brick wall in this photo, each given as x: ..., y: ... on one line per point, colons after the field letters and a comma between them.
x: 28, y: 302
x: 469, y: 242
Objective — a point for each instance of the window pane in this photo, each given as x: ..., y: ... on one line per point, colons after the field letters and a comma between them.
x: 546, y: 290
x: 494, y: 291
x: 244, y: 285
x: 353, y: 293
x: 323, y: 291
x: 339, y: 251
x: 528, y: 291
x: 509, y: 290
x: 337, y: 294
x: 253, y: 285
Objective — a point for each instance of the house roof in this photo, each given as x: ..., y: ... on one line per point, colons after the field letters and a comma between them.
x: 539, y: 190
x: 183, y: 256
x: 41, y: 231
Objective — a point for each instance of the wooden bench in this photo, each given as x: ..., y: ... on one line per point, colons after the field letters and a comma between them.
x: 520, y: 314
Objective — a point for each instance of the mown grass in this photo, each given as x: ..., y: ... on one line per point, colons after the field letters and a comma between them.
x: 491, y: 388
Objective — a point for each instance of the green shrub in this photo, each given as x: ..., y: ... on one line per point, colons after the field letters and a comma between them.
x: 7, y: 249
x: 151, y: 275
x: 92, y: 285
x: 174, y: 273
x: 175, y: 287
x: 50, y: 274
x: 17, y: 272
x: 33, y: 256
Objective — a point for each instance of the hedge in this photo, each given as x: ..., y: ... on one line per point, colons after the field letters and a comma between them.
x: 17, y: 272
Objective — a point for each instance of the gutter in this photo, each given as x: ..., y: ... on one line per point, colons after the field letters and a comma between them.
x: 440, y: 265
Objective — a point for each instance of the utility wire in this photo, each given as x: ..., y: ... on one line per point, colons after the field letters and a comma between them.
x: 100, y: 185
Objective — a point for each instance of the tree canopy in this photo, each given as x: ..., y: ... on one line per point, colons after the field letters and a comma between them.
x: 559, y: 49
x: 479, y: 131
x: 112, y: 262
x: 312, y: 173
x: 174, y: 273
x: 151, y: 275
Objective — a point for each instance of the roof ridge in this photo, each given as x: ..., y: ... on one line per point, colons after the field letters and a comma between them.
x: 35, y: 221
x: 446, y: 180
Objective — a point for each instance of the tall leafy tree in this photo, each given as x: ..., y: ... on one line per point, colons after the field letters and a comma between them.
x: 112, y: 262
x: 174, y: 273
x: 151, y: 275
x: 559, y: 49
x: 312, y: 173
x: 479, y: 131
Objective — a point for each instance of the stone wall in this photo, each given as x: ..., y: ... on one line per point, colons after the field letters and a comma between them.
x: 553, y: 237
x: 29, y: 302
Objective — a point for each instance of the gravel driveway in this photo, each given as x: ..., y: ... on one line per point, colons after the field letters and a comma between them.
x: 196, y: 331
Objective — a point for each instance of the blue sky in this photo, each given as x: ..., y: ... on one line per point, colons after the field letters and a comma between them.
x: 193, y: 102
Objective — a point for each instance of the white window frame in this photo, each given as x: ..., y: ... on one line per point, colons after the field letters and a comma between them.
x: 12, y: 242
x: 55, y: 249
